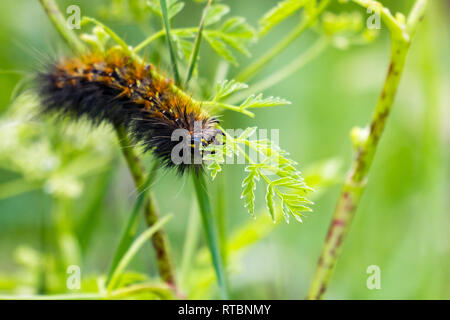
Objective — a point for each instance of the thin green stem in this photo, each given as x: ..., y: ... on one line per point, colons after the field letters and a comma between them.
x: 133, y: 249
x: 88, y: 224
x: 190, y: 243
x: 316, y: 49
x: 221, y: 217
x: 130, y: 229
x: 147, y: 41
x: 162, y: 291
x: 198, y: 39
x: 15, y: 187
x: 394, y: 26
x: 210, y: 231
x: 172, y: 53
x: 71, y: 296
x: 253, y: 68
x: 160, y: 34
x: 112, y: 34
x: 215, y: 104
x: 416, y: 15
x: 356, y: 180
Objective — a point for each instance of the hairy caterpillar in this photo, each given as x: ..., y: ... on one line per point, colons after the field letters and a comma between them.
x: 116, y: 89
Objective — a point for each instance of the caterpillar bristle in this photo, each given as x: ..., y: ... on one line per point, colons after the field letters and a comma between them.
x: 113, y: 88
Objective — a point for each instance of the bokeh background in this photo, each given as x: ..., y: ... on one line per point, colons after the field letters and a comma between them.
x: 65, y: 192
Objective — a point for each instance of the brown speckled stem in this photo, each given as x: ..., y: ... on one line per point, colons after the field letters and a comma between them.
x: 356, y: 180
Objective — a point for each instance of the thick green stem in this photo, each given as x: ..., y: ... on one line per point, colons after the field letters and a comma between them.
x: 356, y: 180
x: 253, y: 68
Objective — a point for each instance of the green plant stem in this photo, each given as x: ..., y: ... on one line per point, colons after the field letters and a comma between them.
x: 356, y: 180
x: 221, y: 217
x: 112, y: 34
x: 172, y: 53
x: 210, y: 231
x: 58, y: 20
x: 88, y: 224
x: 132, y: 250
x: 316, y: 49
x: 130, y: 229
x: 190, y: 244
x: 147, y: 41
x: 18, y: 186
x: 216, y: 104
x: 157, y: 289
x: 253, y: 68
x: 198, y: 40
x: 159, y: 239
x: 160, y: 290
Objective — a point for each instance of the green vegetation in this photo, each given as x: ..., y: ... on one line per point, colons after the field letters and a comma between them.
x: 67, y: 199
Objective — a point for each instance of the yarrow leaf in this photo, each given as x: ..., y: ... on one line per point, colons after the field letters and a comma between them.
x: 227, y: 87
x: 235, y: 33
x: 280, y: 12
x: 249, y: 186
x: 284, y: 181
x: 173, y: 7
x: 257, y: 101
x: 215, y: 13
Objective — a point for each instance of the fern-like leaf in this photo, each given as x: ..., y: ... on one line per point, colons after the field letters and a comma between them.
x: 280, y: 12
x: 249, y: 186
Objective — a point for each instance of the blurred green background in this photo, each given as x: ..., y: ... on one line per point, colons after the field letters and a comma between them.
x: 65, y: 192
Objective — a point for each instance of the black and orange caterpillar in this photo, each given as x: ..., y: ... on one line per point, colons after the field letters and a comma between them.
x: 117, y: 89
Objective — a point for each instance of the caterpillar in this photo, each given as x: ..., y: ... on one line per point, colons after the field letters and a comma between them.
x: 116, y: 89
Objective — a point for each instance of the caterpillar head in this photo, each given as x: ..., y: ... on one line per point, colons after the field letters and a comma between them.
x: 176, y: 133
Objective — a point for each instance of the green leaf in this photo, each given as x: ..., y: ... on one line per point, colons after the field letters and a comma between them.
x: 184, y: 47
x: 270, y: 201
x: 220, y: 47
x: 133, y: 249
x: 227, y: 87
x: 284, y: 181
x: 280, y: 12
x: 238, y: 34
x: 214, y: 168
x: 173, y: 7
x: 235, y: 33
x: 257, y: 101
x: 215, y: 13
x: 249, y: 186
x: 239, y: 28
